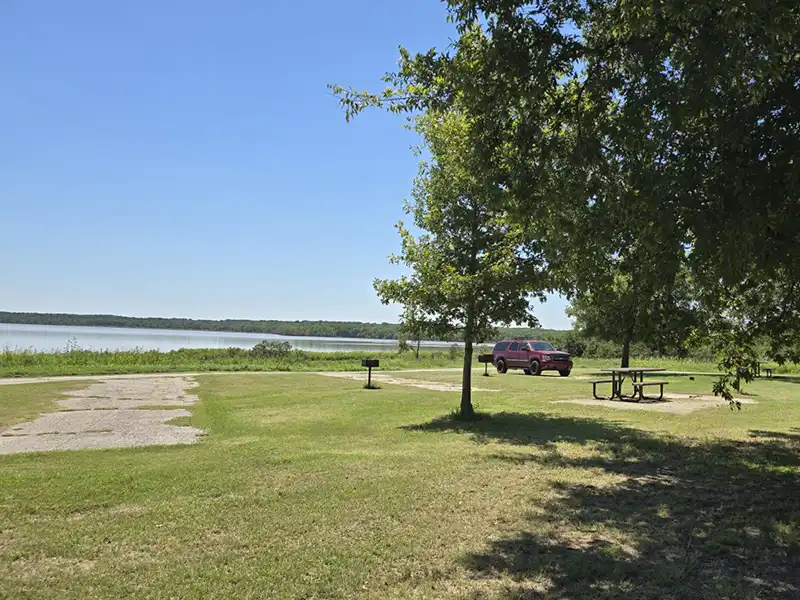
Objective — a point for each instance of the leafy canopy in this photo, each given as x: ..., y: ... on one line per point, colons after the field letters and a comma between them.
x: 610, y: 123
x: 625, y: 309
x: 470, y: 266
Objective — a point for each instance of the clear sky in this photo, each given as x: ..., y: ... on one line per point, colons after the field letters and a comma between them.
x: 186, y: 159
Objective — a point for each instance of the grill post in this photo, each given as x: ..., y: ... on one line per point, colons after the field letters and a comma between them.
x: 370, y: 363
x: 485, y: 359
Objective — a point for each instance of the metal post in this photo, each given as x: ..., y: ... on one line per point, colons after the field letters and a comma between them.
x: 370, y: 363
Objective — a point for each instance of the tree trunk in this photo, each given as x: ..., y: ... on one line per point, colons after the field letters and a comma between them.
x: 419, y: 342
x: 466, y: 382
x: 626, y: 348
x: 467, y: 411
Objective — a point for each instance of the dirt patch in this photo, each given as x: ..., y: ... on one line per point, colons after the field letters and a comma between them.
x: 105, y: 415
x: 679, y: 404
x: 381, y: 378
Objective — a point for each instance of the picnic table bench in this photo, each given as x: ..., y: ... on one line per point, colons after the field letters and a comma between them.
x: 639, y: 385
x: 595, y: 383
x: 636, y: 374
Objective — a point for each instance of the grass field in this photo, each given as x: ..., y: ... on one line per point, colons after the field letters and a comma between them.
x: 312, y: 487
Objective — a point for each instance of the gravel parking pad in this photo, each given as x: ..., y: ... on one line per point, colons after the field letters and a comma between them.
x: 105, y: 415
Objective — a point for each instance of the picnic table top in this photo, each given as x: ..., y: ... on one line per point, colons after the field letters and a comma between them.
x: 634, y: 370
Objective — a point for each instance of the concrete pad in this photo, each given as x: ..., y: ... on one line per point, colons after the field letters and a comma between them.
x: 679, y: 404
x: 105, y: 415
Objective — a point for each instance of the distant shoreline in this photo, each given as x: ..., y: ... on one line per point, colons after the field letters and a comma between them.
x: 322, y: 329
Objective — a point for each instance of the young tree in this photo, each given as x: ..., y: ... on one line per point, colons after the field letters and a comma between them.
x: 470, y: 266
x: 414, y: 327
x: 626, y: 309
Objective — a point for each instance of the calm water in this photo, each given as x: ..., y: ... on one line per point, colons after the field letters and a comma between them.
x: 49, y: 338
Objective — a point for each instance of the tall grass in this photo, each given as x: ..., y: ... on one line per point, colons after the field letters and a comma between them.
x: 74, y: 361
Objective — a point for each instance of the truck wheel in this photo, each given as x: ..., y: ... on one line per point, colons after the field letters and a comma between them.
x: 526, y: 371
x: 535, y: 368
x: 501, y: 366
x: 564, y: 373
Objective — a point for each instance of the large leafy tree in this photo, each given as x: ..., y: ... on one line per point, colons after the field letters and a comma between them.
x: 470, y: 266
x: 684, y: 122
x: 672, y: 123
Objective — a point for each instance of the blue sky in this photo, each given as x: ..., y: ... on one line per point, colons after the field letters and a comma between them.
x: 185, y: 158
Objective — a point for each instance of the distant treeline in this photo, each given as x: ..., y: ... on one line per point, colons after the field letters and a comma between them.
x: 571, y: 341
x: 347, y: 329
x: 382, y: 331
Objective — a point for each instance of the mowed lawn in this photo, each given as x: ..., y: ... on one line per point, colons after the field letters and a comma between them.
x: 307, y: 486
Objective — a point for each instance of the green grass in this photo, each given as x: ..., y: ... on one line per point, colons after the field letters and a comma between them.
x: 24, y: 403
x: 312, y: 487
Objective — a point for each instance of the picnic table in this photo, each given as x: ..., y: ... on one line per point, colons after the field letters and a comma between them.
x: 768, y: 370
x: 618, y: 376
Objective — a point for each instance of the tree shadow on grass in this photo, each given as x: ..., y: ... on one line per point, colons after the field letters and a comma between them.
x: 793, y: 437
x: 688, y: 519
x: 781, y: 378
x: 520, y: 428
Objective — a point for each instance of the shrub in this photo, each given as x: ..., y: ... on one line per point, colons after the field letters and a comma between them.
x: 270, y: 349
x: 454, y: 351
x: 575, y: 344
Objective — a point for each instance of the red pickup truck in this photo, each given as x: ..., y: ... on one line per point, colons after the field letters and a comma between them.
x: 532, y: 356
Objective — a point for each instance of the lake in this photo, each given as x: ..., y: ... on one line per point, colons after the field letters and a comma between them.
x: 52, y: 338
